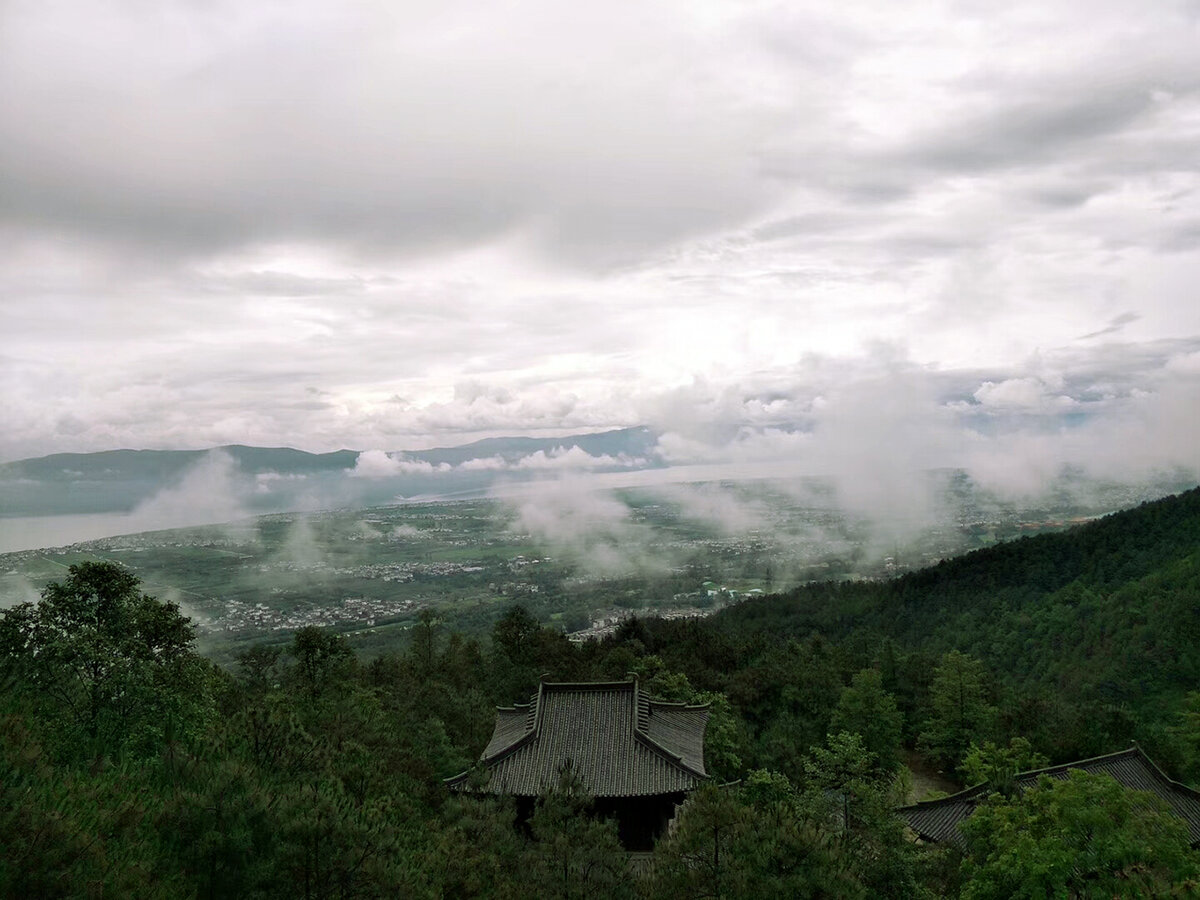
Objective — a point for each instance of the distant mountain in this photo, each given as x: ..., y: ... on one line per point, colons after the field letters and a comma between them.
x: 634, y: 443
x: 271, y: 478
x: 162, y: 465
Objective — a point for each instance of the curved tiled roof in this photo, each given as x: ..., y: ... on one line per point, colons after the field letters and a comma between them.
x: 938, y: 820
x: 619, y: 742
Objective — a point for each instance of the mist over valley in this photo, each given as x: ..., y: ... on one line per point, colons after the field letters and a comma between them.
x: 583, y: 531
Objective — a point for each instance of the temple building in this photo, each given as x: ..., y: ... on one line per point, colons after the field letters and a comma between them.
x: 637, y: 757
x: 938, y: 820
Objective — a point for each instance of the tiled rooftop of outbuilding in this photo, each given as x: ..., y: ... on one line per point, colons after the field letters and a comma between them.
x: 938, y: 820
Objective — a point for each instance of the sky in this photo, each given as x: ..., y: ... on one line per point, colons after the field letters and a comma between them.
x: 888, y: 236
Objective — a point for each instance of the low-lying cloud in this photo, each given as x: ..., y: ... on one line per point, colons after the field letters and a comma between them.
x: 590, y: 527
x: 868, y: 431
x: 558, y: 459
x: 211, y: 492
x: 380, y: 464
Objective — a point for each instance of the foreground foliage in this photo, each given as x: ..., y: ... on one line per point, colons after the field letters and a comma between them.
x: 129, y: 766
x: 109, y: 667
x: 1083, y: 837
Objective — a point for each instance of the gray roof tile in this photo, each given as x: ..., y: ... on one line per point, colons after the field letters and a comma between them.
x: 619, y: 741
x: 938, y: 820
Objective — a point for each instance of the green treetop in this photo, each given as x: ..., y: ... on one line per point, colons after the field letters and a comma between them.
x: 109, y: 669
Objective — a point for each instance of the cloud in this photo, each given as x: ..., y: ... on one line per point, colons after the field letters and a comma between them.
x: 15, y: 589
x: 1114, y: 326
x: 378, y: 464
x: 868, y: 432
x: 748, y: 444
x: 369, y: 225
x: 1149, y: 437
x: 1117, y: 412
x: 1187, y: 364
x: 264, y: 480
x: 589, y: 526
x: 1035, y: 128
x: 211, y: 492
x: 721, y: 507
x: 1021, y: 394
x: 576, y: 457
x: 301, y: 549
x: 485, y: 464
x: 314, y: 123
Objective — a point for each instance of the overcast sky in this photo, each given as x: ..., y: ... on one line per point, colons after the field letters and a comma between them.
x: 932, y: 231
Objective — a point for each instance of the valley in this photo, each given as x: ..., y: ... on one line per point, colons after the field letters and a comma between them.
x: 682, y: 550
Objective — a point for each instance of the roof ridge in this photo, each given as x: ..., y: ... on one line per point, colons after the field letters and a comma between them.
x: 939, y: 819
x: 512, y: 708
x: 641, y: 724
x: 1154, y: 767
x: 588, y: 685
x: 678, y: 704
x: 527, y: 738
x: 670, y: 756
x: 533, y: 722
x: 1128, y: 751
x: 641, y: 710
x: 970, y: 793
x: 957, y: 797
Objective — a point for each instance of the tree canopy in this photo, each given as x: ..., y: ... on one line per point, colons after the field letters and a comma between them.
x: 1087, y: 836
x: 129, y: 766
x: 114, y: 668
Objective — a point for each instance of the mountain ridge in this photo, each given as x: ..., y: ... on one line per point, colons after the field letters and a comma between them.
x: 269, y: 479
x: 611, y: 441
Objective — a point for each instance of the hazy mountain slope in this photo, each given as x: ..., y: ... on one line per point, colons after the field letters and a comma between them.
x: 634, y: 443
x: 121, y: 480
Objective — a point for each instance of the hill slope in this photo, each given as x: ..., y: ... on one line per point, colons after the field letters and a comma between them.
x: 1108, y: 612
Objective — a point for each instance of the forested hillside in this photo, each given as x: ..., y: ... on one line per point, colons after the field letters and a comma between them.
x: 132, y: 766
x: 1092, y: 635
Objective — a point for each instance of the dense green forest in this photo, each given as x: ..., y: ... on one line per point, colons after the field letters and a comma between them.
x: 131, y: 766
x: 1089, y: 638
